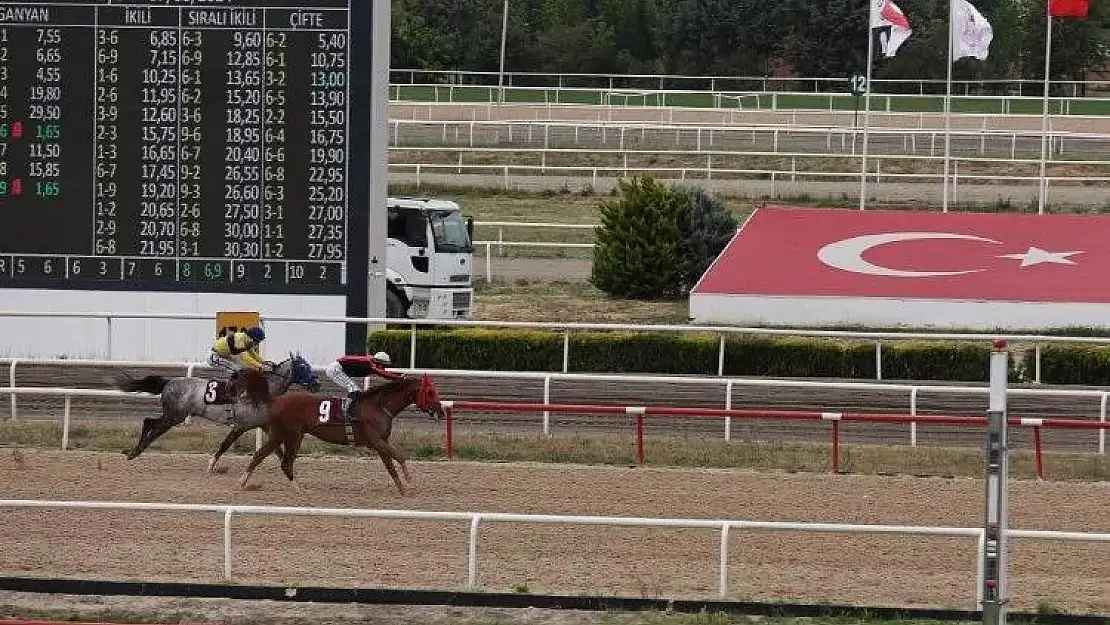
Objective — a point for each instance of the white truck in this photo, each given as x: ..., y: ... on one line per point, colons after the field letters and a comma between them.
x: 430, y: 260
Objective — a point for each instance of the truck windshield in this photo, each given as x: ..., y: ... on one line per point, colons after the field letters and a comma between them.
x: 449, y: 231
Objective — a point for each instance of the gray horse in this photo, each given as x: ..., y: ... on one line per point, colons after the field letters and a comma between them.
x: 215, y: 400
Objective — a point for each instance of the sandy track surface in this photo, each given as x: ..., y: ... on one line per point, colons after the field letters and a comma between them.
x: 253, y: 612
x: 560, y: 559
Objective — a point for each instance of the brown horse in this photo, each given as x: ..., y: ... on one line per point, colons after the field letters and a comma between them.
x: 292, y: 415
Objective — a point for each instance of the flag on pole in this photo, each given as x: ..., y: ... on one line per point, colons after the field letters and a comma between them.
x: 892, y: 25
x: 1068, y: 8
x: 971, y: 32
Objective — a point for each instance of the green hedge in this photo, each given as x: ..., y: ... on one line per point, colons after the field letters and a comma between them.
x: 1071, y: 364
x: 697, y: 353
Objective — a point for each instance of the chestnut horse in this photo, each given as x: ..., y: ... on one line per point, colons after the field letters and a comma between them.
x: 292, y: 415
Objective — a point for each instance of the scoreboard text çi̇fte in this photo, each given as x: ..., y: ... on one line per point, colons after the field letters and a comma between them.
x: 176, y: 145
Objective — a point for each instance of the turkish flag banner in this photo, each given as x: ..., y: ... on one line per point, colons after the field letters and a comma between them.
x: 1068, y: 8
x: 916, y: 255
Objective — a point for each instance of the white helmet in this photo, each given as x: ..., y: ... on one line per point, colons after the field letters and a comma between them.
x: 383, y: 358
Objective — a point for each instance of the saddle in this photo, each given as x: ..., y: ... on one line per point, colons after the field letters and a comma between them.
x: 329, y: 411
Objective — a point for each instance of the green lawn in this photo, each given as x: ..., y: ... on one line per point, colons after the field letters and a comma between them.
x: 768, y: 100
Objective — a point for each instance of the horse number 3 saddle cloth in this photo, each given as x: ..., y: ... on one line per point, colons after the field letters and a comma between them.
x: 217, y: 393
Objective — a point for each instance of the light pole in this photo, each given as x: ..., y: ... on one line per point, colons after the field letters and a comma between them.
x: 501, y: 71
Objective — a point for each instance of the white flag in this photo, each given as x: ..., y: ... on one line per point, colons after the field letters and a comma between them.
x: 893, y: 25
x: 971, y: 32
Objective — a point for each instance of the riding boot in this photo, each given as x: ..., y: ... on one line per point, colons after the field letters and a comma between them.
x: 349, y: 416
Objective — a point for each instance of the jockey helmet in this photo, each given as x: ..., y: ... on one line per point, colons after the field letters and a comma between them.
x: 383, y: 358
x: 256, y: 334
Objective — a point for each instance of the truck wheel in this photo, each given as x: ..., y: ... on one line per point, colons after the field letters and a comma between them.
x: 394, y: 306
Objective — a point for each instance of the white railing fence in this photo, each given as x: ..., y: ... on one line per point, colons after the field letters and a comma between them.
x: 730, y: 98
x: 821, y: 84
x: 729, y: 386
x: 475, y: 520
x: 910, y: 133
x: 1036, y: 341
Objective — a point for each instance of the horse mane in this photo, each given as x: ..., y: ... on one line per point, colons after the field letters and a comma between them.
x: 255, y: 384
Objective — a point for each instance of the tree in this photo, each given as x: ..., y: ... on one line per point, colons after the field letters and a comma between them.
x: 710, y: 225
x: 639, y: 248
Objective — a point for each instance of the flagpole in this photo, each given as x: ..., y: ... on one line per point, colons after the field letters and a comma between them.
x: 1042, y: 196
x: 867, y: 105
x: 948, y: 101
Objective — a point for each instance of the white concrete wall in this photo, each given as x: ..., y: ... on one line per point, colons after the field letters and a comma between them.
x: 751, y: 310
x: 158, y: 339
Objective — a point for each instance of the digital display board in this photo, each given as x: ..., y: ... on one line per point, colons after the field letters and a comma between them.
x: 184, y: 145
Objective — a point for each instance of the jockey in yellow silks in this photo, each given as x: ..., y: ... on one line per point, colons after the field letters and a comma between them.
x: 238, y: 350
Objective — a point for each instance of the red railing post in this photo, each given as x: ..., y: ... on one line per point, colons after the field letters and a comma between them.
x: 449, y: 432
x: 1037, y: 452
x: 834, y: 439
x: 639, y: 412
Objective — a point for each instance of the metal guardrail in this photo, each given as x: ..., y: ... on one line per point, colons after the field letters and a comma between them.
x: 730, y: 385
x: 840, y: 100
x: 822, y: 84
x: 476, y: 519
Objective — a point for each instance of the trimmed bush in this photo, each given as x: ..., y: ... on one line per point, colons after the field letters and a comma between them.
x: 693, y: 353
x: 1070, y: 364
x: 710, y: 225
x: 639, y: 251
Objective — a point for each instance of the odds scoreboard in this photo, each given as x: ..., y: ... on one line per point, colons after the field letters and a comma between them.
x: 184, y: 145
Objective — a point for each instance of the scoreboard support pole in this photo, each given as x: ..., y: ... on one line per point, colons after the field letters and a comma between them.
x: 366, y: 284
x: 996, y: 522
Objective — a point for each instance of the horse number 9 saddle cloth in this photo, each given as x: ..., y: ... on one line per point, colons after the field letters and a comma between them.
x: 330, y: 411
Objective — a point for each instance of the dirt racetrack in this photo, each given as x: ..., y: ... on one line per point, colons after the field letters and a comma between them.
x: 884, y: 570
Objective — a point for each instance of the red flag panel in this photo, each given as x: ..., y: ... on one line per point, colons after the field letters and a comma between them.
x: 1068, y: 8
x: 916, y: 254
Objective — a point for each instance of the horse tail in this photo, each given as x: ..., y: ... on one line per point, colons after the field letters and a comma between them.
x: 153, y: 384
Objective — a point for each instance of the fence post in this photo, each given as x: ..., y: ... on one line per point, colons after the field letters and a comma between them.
x: 913, y: 413
x: 65, y: 422
x: 639, y: 412
x: 1037, y: 363
x: 15, y: 402
x: 1102, y: 419
x: 878, y: 360
x: 412, y: 346
x: 472, y: 554
x: 227, y: 544
x: 981, y: 546
x: 723, y: 591
x: 546, y: 401
x: 721, y: 357
x: 448, y: 428
x: 566, y: 350
x: 1037, y: 452
x: 489, y: 264
x: 109, y: 319
x: 728, y: 406
x: 834, y: 439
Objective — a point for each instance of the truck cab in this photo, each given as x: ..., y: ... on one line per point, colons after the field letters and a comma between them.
x: 430, y: 260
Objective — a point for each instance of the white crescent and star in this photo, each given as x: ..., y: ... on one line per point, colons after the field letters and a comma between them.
x: 847, y: 254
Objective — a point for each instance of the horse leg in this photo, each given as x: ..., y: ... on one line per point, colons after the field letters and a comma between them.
x: 381, y: 446
x: 228, y: 441
x: 292, y: 446
x: 263, y: 452
x: 400, y: 457
x: 153, y: 428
